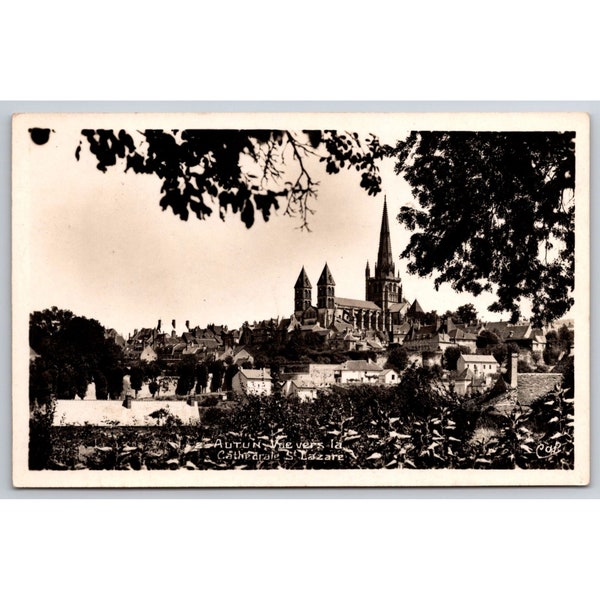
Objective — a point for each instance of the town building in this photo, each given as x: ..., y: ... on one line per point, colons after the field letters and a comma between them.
x: 252, y: 381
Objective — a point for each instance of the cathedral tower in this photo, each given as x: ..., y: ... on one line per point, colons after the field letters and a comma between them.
x: 385, y: 287
x: 326, y: 290
x: 326, y: 297
x: 302, y: 293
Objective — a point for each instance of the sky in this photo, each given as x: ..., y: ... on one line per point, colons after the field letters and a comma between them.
x: 100, y: 245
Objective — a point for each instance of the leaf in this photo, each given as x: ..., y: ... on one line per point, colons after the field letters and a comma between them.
x: 374, y: 456
x: 349, y: 451
x: 247, y: 214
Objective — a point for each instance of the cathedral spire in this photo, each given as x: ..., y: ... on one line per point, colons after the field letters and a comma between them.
x: 385, y: 260
x: 303, y: 281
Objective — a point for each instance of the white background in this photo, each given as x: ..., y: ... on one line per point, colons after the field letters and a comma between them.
x: 265, y: 548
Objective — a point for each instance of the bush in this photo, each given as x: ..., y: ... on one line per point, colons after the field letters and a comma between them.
x: 210, y: 401
x: 415, y: 424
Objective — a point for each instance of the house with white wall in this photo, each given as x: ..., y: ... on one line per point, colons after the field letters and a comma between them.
x: 252, y: 381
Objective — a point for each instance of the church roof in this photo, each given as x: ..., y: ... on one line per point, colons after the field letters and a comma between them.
x: 303, y: 281
x: 351, y: 303
x: 326, y: 277
x: 398, y: 306
x: 416, y: 307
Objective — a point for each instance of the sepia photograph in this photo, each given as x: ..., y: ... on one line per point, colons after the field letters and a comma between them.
x: 306, y: 300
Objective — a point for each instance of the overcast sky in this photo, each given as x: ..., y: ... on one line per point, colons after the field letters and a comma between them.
x: 100, y: 245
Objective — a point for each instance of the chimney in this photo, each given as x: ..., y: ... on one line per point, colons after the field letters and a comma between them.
x: 158, y: 326
x: 513, y: 362
x: 187, y: 324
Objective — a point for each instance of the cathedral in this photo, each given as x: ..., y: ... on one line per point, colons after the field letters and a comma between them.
x: 383, y: 307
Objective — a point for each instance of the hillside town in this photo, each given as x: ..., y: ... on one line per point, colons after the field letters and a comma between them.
x: 336, y: 342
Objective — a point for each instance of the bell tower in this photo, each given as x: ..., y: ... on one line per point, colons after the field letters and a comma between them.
x: 326, y: 290
x: 385, y: 287
x: 302, y: 293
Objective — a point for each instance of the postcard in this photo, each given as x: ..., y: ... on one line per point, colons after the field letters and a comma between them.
x: 300, y: 300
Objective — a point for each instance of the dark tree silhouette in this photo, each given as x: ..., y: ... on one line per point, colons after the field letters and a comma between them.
x: 487, y: 339
x: 73, y: 351
x: 136, y: 378
x: 451, y: 355
x: 397, y: 358
x: 242, y: 170
x: 496, y: 213
x: 467, y: 313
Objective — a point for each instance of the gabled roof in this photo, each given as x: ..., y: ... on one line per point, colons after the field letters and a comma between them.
x: 188, y: 337
x: 302, y: 281
x: 256, y: 374
x: 375, y: 344
x: 398, y: 306
x: 386, y: 372
x: 351, y: 303
x: 209, y: 343
x: 479, y: 358
x: 506, y: 331
x: 326, y: 277
x: 459, y: 334
x: 239, y: 350
x: 403, y: 328
x: 339, y: 325
x: 465, y: 374
x: 416, y: 307
x: 361, y: 365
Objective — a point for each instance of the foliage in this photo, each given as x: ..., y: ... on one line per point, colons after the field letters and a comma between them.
x: 217, y: 370
x: 487, y: 338
x: 40, y: 437
x: 417, y: 424
x: 186, y: 378
x: 153, y: 387
x: 73, y: 351
x: 466, y: 313
x: 397, y: 358
x: 451, y: 355
x: 245, y: 171
x: 136, y: 379
x: 496, y: 213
